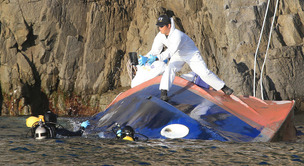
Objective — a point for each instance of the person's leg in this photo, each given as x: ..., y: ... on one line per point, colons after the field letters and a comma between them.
x: 198, y: 66
x: 175, y: 64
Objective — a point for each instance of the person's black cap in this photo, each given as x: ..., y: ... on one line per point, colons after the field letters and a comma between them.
x: 163, y: 20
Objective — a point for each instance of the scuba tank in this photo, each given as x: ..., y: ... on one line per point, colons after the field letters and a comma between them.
x: 40, y: 132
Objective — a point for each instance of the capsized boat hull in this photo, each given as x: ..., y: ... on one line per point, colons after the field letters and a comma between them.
x: 192, y: 113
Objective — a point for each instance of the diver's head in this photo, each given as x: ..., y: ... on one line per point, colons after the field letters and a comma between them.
x: 50, y: 117
x: 128, y: 133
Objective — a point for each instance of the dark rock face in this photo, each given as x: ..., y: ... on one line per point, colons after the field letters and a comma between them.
x: 65, y: 55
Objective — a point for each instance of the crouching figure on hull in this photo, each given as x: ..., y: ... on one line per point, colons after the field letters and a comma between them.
x: 180, y: 49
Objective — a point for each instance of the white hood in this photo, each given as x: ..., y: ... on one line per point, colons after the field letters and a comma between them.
x: 172, y: 26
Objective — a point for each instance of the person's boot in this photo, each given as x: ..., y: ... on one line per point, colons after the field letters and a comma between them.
x: 227, y: 90
x: 163, y: 95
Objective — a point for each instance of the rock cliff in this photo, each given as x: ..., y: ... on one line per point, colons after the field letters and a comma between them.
x: 66, y: 55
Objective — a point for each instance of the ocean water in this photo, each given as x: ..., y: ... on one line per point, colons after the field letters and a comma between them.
x: 17, y: 149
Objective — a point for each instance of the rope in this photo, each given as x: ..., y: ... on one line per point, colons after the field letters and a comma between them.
x: 256, y: 52
x: 261, y: 80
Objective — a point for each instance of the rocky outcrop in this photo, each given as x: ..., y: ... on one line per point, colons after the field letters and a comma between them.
x: 65, y: 55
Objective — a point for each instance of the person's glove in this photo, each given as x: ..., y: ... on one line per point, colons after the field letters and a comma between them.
x: 166, y: 61
x: 151, y: 59
x: 85, y: 124
x: 142, y: 60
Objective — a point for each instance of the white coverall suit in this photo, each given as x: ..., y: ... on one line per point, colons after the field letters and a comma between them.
x: 181, y: 49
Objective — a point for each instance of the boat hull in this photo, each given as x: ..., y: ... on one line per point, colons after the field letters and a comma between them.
x: 192, y: 113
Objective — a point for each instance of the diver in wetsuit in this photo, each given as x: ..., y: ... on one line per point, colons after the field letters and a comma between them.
x: 46, y: 127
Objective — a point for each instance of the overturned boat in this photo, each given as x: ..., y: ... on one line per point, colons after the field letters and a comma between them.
x: 193, y: 112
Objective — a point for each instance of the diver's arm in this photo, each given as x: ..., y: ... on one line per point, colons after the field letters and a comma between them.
x: 65, y: 132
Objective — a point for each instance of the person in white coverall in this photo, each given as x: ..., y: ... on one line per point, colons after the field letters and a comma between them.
x: 181, y: 49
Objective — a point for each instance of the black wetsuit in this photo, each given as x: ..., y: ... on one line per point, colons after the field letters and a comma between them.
x: 53, y: 130
x: 65, y: 132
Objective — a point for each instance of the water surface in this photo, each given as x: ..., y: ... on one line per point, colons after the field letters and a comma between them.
x: 17, y: 149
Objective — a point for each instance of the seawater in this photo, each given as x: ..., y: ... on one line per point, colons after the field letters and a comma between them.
x: 17, y: 149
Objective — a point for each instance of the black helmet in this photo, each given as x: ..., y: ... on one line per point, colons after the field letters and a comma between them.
x: 50, y: 117
x: 128, y: 131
